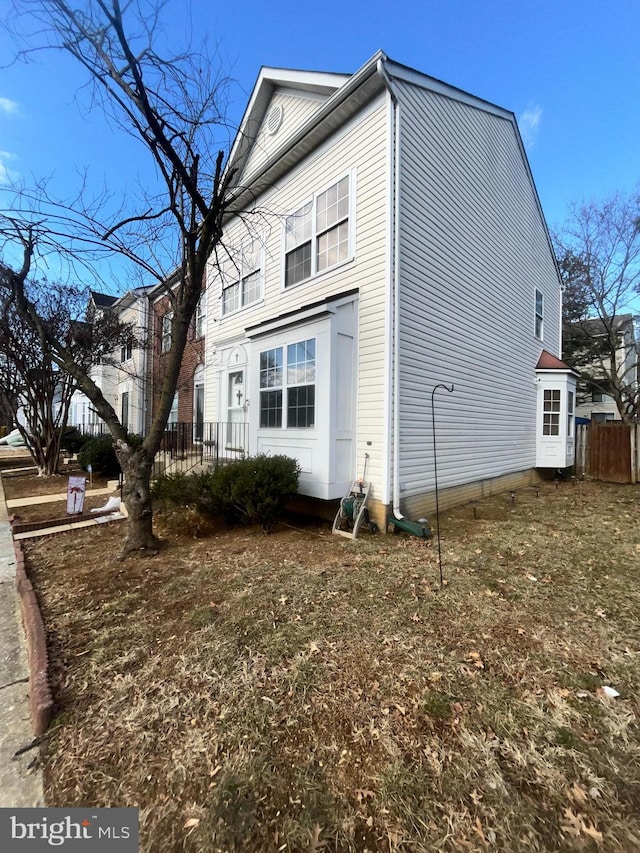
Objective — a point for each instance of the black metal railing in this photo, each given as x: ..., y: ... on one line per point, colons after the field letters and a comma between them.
x: 186, y: 445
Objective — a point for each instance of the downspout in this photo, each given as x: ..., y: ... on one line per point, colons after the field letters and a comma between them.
x: 392, y: 388
x: 142, y: 379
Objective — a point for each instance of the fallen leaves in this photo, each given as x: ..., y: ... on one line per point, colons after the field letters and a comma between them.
x: 576, y: 825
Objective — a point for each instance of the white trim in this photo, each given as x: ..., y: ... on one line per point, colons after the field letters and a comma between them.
x: 387, y: 413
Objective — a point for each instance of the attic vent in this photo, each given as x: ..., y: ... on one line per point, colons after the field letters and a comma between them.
x: 274, y: 120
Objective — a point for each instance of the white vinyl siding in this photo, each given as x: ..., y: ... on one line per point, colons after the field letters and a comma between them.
x: 473, y: 247
x: 296, y: 110
x: 360, y: 150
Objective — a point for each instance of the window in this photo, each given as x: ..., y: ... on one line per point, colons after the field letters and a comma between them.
x: 124, y: 410
x: 271, y: 388
x: 173, y: 414
x: 126, y: 351
x: 166, y: 326
x: 248, y: 285
x: 317, y: 234
x: 201, y: 315
x: 551, y: 413
x: 570, y: 414
x: 298, y: 245
x: 597, y: 396
x: 300, y: 387
x: 539, y: 314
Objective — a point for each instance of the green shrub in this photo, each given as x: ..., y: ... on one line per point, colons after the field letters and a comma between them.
x: 255, y: 489
x: 73, y: 440
x: 98, y: 452
x: 178, y: 488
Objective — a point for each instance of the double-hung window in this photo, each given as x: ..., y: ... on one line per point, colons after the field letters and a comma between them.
x: 288, y: 386
x: 570, y: 414
x: 126, y: 350
x: 166, y: 328
x: 551, y: 413
x: 539, y: 314
x: 317, y: 234
x: 245, y: 285
x: 201, y: 315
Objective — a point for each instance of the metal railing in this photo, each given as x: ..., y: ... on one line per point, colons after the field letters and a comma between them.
x: 187, y: 445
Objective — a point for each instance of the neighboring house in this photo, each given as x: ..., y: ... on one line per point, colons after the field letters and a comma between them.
x: 188, y: 402
x: 123, y: 377
x: 397, y: 242
x: 588, y: 345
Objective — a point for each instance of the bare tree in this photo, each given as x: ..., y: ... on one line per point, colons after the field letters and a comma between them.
x: 171, y: 105
x: 33, y: 389
x: 598, y: 251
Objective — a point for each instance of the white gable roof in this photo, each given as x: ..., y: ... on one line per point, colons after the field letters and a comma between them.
x: 304, y: 91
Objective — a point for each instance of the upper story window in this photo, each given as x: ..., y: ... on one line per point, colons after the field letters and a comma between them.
x: 166, y: 329
x: 201, y: 315
x: 295, y: 378
x: 317, y: 235
x: 539, y: 314
x: 246, y: 278
x: 126, y: 351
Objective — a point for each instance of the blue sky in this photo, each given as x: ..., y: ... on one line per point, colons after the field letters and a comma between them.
x: 569, y: 70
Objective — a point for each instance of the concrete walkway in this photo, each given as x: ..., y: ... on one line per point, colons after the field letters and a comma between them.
x: 20, y: 778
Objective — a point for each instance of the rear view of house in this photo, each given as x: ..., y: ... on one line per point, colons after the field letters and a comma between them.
x: 387, y: 239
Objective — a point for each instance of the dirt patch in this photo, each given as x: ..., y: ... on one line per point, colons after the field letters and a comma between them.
x: 300, y: 691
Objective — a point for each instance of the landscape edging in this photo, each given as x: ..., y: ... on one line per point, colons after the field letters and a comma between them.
x: 40, y: 696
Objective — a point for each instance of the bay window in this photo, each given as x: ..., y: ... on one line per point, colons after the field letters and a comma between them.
x: 293, y: 380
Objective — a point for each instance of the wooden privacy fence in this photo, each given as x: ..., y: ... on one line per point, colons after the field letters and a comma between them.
x: 608, y: 451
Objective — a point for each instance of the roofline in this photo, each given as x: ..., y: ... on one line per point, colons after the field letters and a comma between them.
x: 370, y: 69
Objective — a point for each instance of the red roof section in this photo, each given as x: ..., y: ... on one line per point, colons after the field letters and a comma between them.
x: 550, y: 362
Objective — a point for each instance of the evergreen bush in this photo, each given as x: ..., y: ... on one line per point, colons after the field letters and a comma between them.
x: 252, y: 490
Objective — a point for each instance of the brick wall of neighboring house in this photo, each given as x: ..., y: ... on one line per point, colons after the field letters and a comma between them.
x: 192, y: 358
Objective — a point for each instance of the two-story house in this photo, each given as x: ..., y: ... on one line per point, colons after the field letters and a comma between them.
x: 387, y: 238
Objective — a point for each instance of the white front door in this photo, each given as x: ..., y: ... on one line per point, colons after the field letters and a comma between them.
x: 236, y: 412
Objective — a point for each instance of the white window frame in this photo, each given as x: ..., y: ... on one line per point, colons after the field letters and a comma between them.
x: 243, y: 270
x: 166, y: 331
x: 126, y: 351
x: 539, y: 315
x: 288, y: 383
x: 316, y: 233
x: 571, y: 411
x: 551, y: 411
x: 201, y: 315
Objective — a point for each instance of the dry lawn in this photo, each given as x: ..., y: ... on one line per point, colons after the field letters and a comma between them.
x: 303, y: 692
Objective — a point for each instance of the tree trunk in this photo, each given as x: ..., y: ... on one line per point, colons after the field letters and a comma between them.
x: 136, y: 495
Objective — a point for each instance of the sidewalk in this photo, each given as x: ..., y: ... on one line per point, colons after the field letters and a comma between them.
x: 20, y: 778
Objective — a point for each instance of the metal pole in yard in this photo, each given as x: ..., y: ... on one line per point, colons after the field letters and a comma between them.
x: 435, y: 469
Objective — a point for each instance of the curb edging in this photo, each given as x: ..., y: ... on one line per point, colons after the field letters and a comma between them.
x: 40, y: 696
